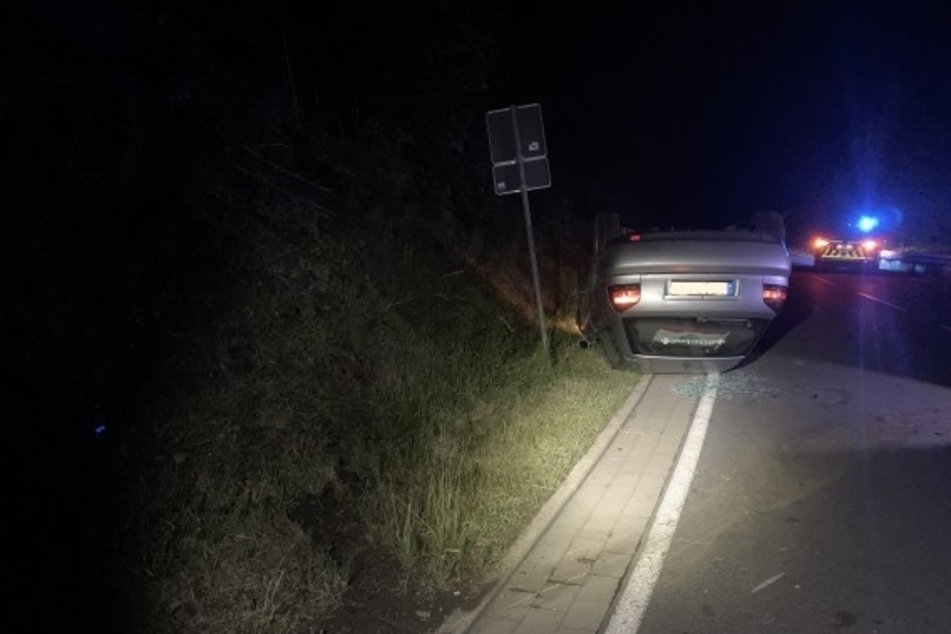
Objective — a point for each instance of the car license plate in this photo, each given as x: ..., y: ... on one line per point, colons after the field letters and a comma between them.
x: 685, y: 288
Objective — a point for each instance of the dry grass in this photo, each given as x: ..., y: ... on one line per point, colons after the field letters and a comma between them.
x: 372, y: 370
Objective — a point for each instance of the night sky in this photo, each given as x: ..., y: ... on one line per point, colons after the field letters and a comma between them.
x: 687, y: 113
x: 667, y: 112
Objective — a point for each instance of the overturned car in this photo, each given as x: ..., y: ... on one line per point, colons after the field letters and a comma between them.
x: 683, y: 301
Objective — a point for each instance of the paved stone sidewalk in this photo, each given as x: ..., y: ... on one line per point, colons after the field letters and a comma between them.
x: 568, y: 579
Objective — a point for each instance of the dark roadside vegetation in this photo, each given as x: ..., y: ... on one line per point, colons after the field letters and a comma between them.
x: 269, y: 333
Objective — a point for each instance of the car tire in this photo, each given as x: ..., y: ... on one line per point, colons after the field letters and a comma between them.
x: 770, y: 222
x: 606, y: 226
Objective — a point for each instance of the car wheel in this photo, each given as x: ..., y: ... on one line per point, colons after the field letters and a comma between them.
x: 606, y: 226
x: 770, y: 222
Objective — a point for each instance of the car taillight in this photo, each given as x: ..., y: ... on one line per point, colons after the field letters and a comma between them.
x: 870, y: 245
x: 820, y: 243
x: 774, y: 296
x: 624, y: 296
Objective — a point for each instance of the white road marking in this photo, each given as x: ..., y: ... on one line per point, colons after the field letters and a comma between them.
x: 825, y: 281
x: 882, y: 302
x: 633, y: 600
x: 948, y: 328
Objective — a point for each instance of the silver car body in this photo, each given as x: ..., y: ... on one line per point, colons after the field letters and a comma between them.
x: 705, y: 298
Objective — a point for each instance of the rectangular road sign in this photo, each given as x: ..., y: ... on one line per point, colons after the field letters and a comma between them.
x: 507, y: 180
x: 520, y: 163
x: 531, y: 133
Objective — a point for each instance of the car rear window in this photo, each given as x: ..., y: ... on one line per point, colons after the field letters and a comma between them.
x: 691, y: 337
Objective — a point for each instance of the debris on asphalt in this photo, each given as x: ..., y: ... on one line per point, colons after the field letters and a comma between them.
x: 738, y: 385
x: 768, y: 582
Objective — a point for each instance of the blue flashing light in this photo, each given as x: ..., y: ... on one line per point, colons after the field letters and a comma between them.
x: 867, y: 223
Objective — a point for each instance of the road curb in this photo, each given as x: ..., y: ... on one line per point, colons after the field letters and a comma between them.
x: 460, y: 622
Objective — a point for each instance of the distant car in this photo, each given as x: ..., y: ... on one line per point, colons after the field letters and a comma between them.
x: 857, y: 243
x: 683, y: 301
x: 860, y: 252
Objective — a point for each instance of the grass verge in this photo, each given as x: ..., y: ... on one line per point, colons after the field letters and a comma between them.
x: 376, y: 372
x: 483, y: 478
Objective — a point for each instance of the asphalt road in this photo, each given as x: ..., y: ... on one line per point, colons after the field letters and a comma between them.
x: 822, y: 497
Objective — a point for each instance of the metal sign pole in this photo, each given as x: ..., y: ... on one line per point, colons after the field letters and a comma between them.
x: 531, y: 234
